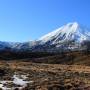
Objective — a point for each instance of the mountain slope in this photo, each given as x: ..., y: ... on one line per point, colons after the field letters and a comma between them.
x: 67, y: 37
x: 71, y: 31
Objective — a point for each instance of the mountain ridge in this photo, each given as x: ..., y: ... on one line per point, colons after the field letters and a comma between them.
x: 67, y: 31
x: 69, y: 36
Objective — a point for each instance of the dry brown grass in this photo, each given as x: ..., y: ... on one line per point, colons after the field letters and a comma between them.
x: 51, y: 76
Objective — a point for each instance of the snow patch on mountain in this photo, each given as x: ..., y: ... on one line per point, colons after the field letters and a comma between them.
x: 67, y: 36
x: 68, y: 32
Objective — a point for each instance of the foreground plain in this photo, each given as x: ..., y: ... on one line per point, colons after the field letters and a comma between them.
x: 37, y: 76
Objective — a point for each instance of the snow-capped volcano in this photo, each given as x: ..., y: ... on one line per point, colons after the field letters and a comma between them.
x: 68, y: 32
x: 69, y: 36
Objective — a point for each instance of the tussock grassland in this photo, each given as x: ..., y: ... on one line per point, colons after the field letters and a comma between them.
x: 48, y: 76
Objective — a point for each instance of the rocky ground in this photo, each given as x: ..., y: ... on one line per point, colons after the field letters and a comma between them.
x: 20, y: 75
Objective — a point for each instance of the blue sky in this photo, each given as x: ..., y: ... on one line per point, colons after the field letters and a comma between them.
x: 25, y: 20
